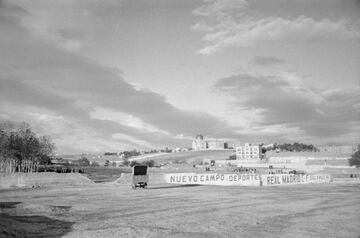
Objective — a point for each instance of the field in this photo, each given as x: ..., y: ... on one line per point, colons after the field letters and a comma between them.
x: 110, y: 208
x: 115, y: 210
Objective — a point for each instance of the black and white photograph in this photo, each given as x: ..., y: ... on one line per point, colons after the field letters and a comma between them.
x: 180, y: 118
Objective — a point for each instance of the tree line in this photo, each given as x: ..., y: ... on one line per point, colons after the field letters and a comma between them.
x: 355, y: 158
x: 125, y: 154
x: 296, y: 147
x: 126, y: 162
x: 21, y: 149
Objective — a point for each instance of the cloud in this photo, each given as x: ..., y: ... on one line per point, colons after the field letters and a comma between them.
x: 220, y: 9
x: 69, y: 135
x: 284, y: 100
x: 125, y: 119
x: 66, y: 23
x: 267, y: 61
x: 223, y: 28
x: 135, y: 141
x: 274, y: 94
x: 41, y: 77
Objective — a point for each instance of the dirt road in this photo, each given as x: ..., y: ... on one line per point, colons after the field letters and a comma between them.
x: 115, y: 210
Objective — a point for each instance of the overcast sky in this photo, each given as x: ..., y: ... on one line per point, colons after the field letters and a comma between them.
x: 111, y: 75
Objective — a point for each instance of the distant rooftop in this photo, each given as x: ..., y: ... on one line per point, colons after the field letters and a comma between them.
x: 199, y: 136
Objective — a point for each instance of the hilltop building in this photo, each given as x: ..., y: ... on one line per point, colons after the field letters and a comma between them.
x: 248, y: 152
x: 199, y: 143
x: 212, y: 144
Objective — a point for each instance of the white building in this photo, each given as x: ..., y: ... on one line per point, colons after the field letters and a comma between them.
x: 199, y: 143
x: 210, y: 144
x: 248, y: 152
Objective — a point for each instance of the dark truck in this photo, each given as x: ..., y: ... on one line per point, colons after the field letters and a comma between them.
x: 140, y: 177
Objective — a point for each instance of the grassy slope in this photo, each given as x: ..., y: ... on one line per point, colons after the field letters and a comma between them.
x: 109, y: 174
x: 191, y: 157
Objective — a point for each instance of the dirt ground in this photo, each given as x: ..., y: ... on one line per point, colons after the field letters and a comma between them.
x: 162, y: 210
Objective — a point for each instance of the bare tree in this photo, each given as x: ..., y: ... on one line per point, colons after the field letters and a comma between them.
x: 20, y: 145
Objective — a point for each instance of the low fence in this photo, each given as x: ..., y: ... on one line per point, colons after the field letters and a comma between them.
x: 245, y: 179
x: 12, y: 166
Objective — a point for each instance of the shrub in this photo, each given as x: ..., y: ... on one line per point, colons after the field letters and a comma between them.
x: 126, y: 162
x: 149, y: 163
x: 355, y: 159
x: 84, y: 161
x: 232, y: 157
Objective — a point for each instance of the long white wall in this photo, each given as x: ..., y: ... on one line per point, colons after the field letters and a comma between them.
x: 245, y: 179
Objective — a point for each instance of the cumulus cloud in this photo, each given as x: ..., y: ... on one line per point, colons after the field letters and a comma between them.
x: 40, y: 74
x: 283, y: 99
x: 223, y: 27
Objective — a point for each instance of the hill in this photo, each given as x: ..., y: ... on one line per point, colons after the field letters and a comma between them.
x: 189, y: 157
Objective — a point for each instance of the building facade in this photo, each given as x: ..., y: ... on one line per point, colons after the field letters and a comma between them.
x: 199, y: 143
x: 211, y: 144
x: 248, y: 152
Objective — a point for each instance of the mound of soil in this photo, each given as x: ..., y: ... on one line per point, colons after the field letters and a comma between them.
x: 33, y: 180
x: 105, y: 174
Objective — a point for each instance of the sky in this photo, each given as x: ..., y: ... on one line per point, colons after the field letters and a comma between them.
x: 113, y: 75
